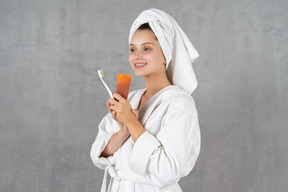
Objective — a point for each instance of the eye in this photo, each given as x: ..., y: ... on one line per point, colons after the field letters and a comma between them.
x: 132, y: 50
x: 147, y: 49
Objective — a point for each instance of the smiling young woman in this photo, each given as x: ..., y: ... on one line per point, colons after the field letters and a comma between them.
x: 146, y: 56
x: 147, y: 59
x: 152, y: 139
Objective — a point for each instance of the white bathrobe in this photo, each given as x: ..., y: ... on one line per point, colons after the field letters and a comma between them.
x: 164, y: 153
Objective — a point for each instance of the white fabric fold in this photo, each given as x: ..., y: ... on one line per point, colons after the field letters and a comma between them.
x: 111, y: 170
x: 177, y: 48
x: 118, y: 175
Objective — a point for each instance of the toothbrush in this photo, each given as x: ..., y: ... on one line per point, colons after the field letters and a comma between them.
x: 101, y: 75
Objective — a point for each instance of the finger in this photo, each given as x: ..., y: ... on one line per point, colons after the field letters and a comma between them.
x: 108, y: 106
x: 114, y: 115
x: 113, y: 108
x: 111, y: 105
x: 112, y: 101
x: 119, y: 97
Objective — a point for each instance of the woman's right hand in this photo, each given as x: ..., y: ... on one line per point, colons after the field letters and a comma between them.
x: 123, y: 128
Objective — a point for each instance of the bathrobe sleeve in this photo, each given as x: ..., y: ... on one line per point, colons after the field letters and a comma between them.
x: 107, y: 128
x: 172, y: 152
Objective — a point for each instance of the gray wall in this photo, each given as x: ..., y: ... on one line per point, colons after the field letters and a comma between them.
x: 51, y: 99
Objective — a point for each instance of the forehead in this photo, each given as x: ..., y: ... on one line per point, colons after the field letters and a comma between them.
x: 145, y: 35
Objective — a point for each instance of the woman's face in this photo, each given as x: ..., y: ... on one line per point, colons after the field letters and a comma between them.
x: 146, y: 57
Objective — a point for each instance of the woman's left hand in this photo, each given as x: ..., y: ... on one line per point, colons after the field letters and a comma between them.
x: 122, y: 108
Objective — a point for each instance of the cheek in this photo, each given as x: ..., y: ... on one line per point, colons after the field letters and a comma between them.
x: 130, y: 58
x: 149, y: 55
x: 158, y: 57
x: 162, y: 57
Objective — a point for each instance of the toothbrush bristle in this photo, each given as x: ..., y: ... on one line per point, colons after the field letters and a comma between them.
x: 102, y: 73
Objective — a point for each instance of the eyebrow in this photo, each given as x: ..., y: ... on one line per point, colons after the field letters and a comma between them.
x: 131, y: 44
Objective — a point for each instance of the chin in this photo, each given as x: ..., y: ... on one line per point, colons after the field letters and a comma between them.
x: 138, y: 73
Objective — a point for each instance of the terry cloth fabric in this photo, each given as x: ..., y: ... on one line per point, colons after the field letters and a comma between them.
x: 177, y: 48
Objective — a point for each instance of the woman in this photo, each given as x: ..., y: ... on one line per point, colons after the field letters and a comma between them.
x: 148, y: 142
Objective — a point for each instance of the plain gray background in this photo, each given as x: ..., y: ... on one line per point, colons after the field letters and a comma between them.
x: 51, y: 99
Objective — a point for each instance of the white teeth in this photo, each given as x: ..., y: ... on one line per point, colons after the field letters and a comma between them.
x: 139, y: 64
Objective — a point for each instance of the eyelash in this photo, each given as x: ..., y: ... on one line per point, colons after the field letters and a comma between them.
x: 145, y: 49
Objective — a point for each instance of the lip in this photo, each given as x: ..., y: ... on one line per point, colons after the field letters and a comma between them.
x: 139, y: 65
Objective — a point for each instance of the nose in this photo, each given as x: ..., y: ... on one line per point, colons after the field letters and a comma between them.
x: 138, y: 55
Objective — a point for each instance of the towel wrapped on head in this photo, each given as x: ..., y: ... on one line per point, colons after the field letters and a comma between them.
x: 176, y: 47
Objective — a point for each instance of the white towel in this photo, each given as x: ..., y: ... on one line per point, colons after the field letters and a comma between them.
x: 177, y: 48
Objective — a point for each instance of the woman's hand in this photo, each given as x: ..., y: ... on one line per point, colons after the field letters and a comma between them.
x: 123, y: 129
x: 121, y: 110
x: 113, y: 113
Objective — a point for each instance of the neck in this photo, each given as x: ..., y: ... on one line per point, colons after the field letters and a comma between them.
x: 155, y: 83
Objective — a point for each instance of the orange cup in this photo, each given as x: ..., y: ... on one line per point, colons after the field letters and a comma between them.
x: 123, y: 84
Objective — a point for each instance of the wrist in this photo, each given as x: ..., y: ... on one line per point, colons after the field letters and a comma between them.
x: 124, y: 132
x: 131, y: 122
x: 135, y: 129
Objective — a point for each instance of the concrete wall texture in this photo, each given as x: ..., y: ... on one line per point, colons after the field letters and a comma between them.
x: 51, y: 99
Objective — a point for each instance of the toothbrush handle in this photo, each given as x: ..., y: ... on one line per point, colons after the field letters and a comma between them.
x: 110, y: 93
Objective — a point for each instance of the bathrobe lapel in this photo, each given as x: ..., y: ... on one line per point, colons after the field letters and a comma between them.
x: 149, y: 106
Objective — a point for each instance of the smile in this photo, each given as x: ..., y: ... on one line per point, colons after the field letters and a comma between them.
x: 139, y: 65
